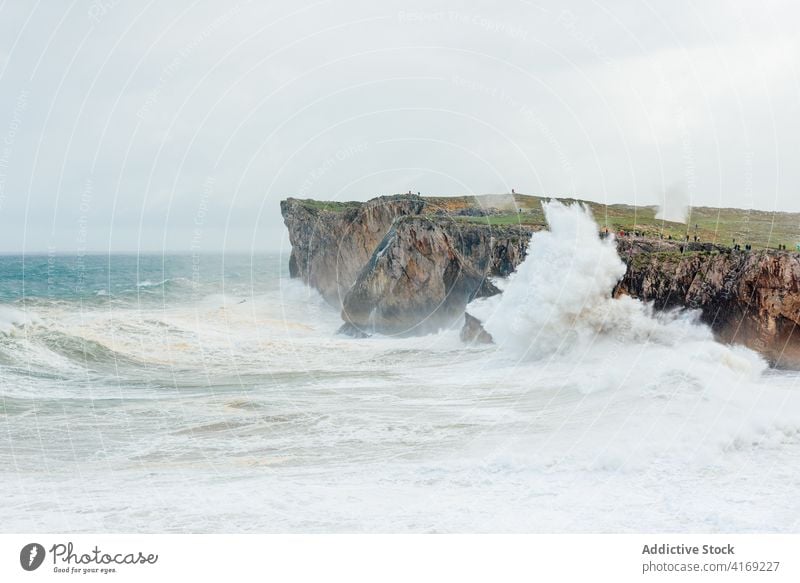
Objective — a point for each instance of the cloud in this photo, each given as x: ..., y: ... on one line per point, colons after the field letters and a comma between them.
x: 151, y: 102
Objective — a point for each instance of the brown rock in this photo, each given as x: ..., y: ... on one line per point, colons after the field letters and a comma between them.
x: 425, y: 271
x: 474, y: 332
x: 331, y: 242
x: 750, y: 298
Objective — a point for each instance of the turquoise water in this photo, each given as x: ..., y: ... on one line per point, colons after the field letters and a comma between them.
x: 98, y: 278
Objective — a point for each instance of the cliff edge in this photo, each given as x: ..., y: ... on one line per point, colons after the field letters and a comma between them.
x: 406, y: 264
x: 746, y: 297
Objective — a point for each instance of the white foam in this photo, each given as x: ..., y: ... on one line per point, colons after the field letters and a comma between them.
x: 13, y: 319
x: 559, y: 303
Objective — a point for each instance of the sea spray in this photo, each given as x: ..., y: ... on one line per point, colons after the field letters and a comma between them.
x: 220, y: 405
x: 657, y: 385
x: 14, y: 319
x: 559, y: 303
x: 561, y: 291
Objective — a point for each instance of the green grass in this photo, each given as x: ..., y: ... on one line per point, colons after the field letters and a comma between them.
x: 524, y: 219
x: 761, y: 229
x: 329, y: 205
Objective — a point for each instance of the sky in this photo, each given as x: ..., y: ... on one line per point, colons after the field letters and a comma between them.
x: 179, y: 126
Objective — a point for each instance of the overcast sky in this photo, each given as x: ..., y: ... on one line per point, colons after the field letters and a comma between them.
x: 181, y: 125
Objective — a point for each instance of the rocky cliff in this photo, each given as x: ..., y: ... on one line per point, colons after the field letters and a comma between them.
x: 331, y: 242
x: 750, y: 298
x: 424, y: 272
x: 400, y: 265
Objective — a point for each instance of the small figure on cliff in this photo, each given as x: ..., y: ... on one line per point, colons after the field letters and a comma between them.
x: 513, y: 191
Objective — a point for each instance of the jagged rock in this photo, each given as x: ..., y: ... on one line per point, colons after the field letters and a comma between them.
x: 400, y: 265
x: 331, y: 242
x: 750, y: 298
x: 348, y: 329
x: 425, y: 271
x: 474, y: 332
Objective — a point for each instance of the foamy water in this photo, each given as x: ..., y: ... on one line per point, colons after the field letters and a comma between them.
x: 147, y: 396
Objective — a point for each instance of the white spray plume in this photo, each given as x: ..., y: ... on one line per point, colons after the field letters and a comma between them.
x: 559, y: 303
x: 675, y: 205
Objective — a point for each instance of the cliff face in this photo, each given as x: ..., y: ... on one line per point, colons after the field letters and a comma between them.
x: 750, y: 298
x: 400, y: 265
x: 425, y: 271
x: 331, y: 242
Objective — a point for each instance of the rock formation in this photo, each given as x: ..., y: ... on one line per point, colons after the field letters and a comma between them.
x: 402, y: 265
x: 473, y: 331
x: 750, y: 298
x: 331, y: 242
x: 424, y: 272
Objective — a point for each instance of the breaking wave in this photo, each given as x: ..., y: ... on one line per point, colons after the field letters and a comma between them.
x: 559, y: 303
x: 590, y: 413
x: 668, y: 390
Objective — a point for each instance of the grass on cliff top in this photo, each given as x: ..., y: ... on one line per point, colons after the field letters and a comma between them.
x: 761, y: 229
x: 329, y: 205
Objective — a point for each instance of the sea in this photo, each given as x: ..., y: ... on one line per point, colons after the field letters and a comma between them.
x: 211, y: 393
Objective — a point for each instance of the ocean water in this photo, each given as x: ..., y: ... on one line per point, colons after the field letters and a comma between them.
x: 211, y: 394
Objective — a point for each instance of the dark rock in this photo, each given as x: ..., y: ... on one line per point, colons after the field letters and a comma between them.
x: 425, y: 271
x: 331, y: 242
x: 348, y: 329
x: 750, y: 298
x: 395, y: 265
x: 474, y: 332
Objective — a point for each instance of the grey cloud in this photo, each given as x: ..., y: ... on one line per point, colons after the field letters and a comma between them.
x: 147, y: 102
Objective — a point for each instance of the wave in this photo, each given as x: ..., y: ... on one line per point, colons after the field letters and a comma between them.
x: 12, y: 319
x: 657, y: 382
x: 217, y: 338
x: 164, y: 283
x: 559, y: 302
